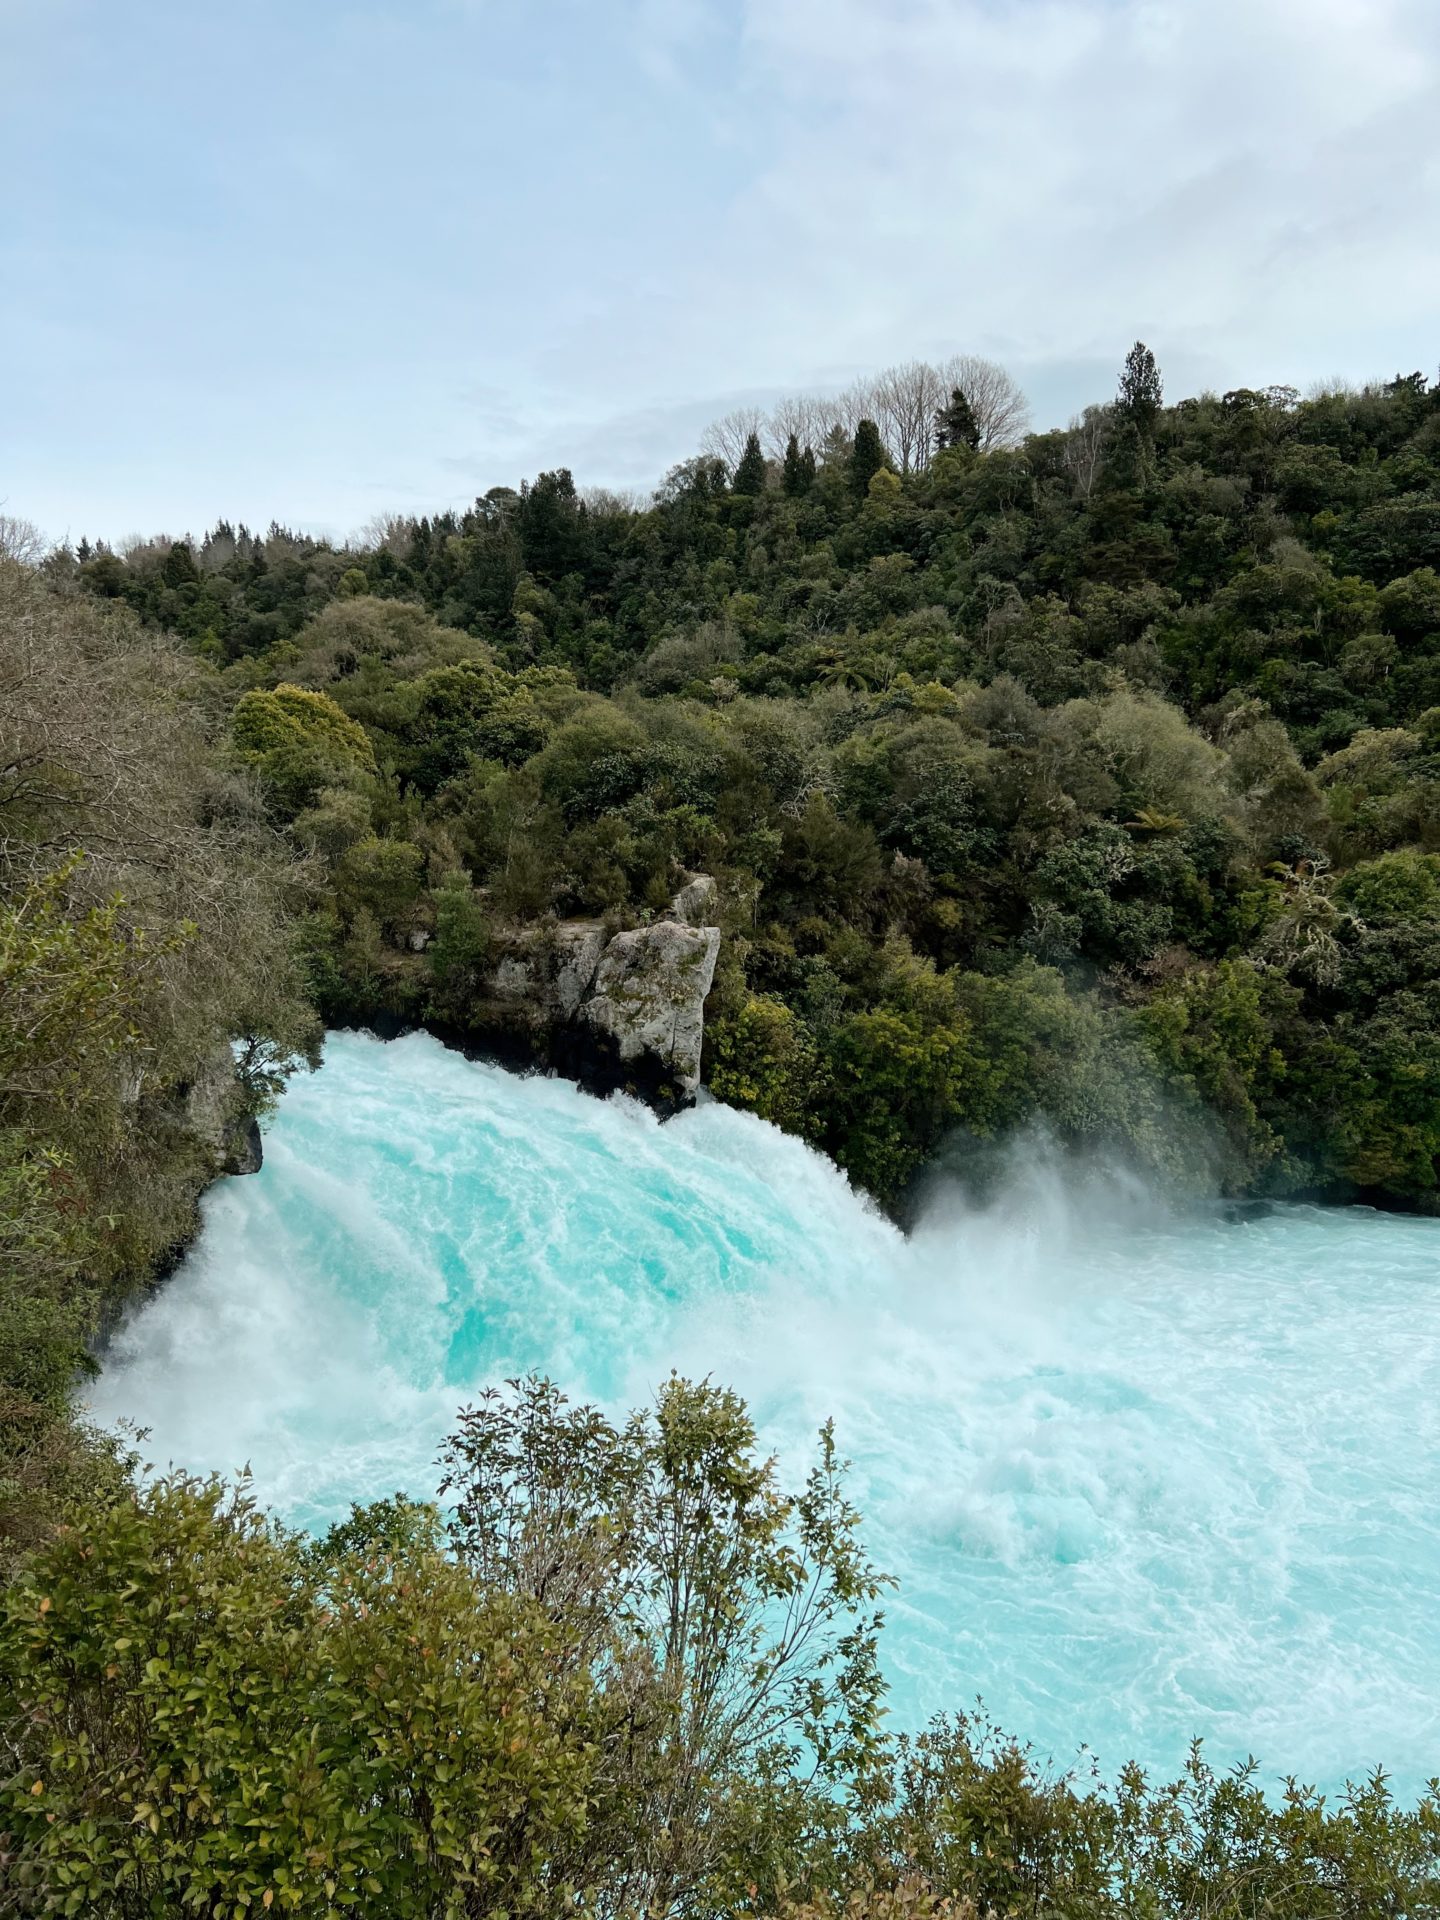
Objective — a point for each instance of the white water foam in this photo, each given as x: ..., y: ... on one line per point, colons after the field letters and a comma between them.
x: 1141, y: 1478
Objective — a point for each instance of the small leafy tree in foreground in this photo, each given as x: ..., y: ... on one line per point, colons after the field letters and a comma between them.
x: 731, y: 1628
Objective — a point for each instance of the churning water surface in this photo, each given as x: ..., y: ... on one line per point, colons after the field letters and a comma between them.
x: 1140, y: 1477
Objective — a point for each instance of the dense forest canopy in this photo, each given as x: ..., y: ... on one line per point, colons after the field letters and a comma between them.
x: 1088, y: 775
x: 1085, y: 777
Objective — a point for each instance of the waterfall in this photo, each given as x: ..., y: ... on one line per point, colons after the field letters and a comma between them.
x: 1140, y: 1476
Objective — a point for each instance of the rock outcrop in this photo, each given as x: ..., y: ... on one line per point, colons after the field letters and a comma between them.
x: 618, y: 1011
x: 646, y: 1015
x: 213, y: 1113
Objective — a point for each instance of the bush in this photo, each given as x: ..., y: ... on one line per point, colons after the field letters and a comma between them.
x: 214, y: 1720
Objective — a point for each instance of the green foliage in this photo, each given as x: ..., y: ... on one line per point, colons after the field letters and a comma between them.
x: 631, y: 1674
x: 731, y: 1626
x: 1213, y: 1030
x: 750, y: 469
x: 382, y: 877
x: 1136, y: 702
x: 903, y: 1078
x: 264, y: 722
x: 798, y: 472
x: 1398, y: 887
x: 763, y: 1058
x: 459, y: 948
x: 1141, y: 391
x: 126, y: 972
x: 300, y: 742
x: 955, y: 423
x: 214, y: 1720
x: 867, y: 457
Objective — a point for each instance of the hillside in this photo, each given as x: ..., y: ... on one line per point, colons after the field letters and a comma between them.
x: 1091, y: 776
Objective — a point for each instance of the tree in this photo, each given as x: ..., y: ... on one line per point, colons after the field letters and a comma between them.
x: 142, y: 927
x: 21, y: 541
x: 867, y: 457
x: 1083, y: 455
x: 726, y: 439
x: 750, y: 469
x: 808, y: 416
x: 552, y: 526
x: 955, y: 423
x: 1001, y: 410
x: 729, y: 1626
x: 906, y: 398
x: 1141, y: 391
x: 299, y: 741
x: 798, y: 473
x: 216, y: 1720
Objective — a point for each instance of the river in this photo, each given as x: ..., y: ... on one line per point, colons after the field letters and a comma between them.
x: 1141, y: 1475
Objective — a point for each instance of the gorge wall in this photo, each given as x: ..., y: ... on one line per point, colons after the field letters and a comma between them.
x: 617, y: 1011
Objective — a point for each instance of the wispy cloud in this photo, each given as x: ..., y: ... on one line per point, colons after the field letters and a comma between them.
x: 457, y: 240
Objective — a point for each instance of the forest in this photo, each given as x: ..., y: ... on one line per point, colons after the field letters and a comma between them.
x: 1086, y: 777
x: 1084, y: 780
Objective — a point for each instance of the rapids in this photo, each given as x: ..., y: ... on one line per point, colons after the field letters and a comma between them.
x: 1140, y: 1476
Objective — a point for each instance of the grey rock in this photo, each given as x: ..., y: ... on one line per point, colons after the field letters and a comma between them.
x: 515, y: 977
x: 614, y: 1012
x: 696, y: 903
x: 212, y: 1111
x: 419, y: 940
x: 244, y: 1152
x: 546, y: 972
x: 578, y: 947
x: 649, y: 998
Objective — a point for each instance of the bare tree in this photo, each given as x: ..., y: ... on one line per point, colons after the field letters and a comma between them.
x: 21, y: 540
x: 902, y: 401
x: 1001, y: 410
x: 613, y: 500
x: 809, y: 416
x: 1084, y: 453
x: 725, y: 438
x: 907, y: 397
x: 855, y: 404
x: 391, y: 531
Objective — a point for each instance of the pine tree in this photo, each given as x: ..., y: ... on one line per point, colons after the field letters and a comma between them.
x: 866, y: 457
x: 955, y: 423
x: 799, y: 469
x: 178, y: 568
x: 750, y: 473
x: 1141, y: 391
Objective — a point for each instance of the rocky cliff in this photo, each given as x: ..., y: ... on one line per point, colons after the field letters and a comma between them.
x: 617, y: 1011
x: 210, y: 1109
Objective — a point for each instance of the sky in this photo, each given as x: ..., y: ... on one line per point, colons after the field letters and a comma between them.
x: 314, y: 260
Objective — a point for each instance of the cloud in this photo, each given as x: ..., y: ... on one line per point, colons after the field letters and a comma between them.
x: 462, y: 240
x: 1240, y: 180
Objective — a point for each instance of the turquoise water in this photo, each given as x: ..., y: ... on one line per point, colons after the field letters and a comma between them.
x: 1140, y: 1477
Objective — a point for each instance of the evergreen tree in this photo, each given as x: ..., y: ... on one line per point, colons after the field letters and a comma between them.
x: 1141, y: 391
x: 955, y: 423
x: 750, y: 473
x: 799, y: 469
x: 178, y: 568
x: 867, y: 456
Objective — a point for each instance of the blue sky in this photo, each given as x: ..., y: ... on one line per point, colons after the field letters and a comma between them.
x: 320, y: 260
